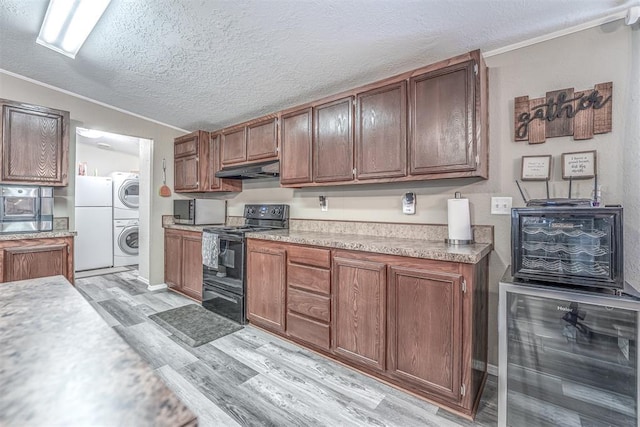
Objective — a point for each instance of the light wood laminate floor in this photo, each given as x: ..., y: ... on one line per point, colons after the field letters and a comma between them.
x: 252, y: 378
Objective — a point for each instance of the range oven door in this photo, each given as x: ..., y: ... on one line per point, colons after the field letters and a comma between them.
x: 224, y: 303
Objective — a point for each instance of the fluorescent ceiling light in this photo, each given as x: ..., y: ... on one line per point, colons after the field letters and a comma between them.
x: 68, y: 23
x: 90, y: 133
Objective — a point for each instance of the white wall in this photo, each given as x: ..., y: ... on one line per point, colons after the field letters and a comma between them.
x: 90, y: 115
x: 580, y: 61
x: 105, y: 161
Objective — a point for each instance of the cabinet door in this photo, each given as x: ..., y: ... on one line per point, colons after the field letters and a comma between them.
x: 192, y: 265
x: 262, y: 142
x: 21, y: 263
x: 186, y: 174
x: 186, y: 145
x: 425, y: 329
x: 442, y: 105
x: 266, y: 303
x: 333, y: 142
x: 35, y: 145
x: 359, y: 311
x: 234, y: 146
x: 173, y: 259
x: 381, y: 132
x: 295, y: 147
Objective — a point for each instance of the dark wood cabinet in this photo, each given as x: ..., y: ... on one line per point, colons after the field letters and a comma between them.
x: 35, y: 144
x: 416, y: 323
x: 381, y: 132
x: 183, y: 262
x: 425, y: 329
x: 217, y: 184
x: 32, y: 258
x: 266, y: 285
x: 296, y: 154
x: 442, y: 115
x: 189, y: 152
x: 196, y: 161
x: 262, y: 141
x: 359, y: 310
x: 333, y: 141
x: 234, y: 146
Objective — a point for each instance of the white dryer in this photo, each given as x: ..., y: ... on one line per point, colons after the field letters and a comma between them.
x: 126, y: 195
x: 125, y: 242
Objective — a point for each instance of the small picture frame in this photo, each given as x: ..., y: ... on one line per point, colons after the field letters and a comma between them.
x: 579, y: 165
x: 536, y: 168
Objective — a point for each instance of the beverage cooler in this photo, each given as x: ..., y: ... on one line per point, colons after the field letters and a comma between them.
x: 567, y: 357
x: 568, y: 245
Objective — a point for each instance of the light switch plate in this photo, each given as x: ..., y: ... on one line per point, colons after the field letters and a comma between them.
x: 501, y: 205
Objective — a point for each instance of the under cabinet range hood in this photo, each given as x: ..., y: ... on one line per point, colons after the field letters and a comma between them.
x: 268, y: 169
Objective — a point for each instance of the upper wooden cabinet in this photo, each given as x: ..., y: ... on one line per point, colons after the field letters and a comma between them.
x: 442, y: 120
x: 196, y: 160
x: 333, y: 141
x: 254, y: 141
x: 381, y: 132
x: 430, y: 123
x: 262, y: 141
x: 296, y: 154
x: 35, y: 144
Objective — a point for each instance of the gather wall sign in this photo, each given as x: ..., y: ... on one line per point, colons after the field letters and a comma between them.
x: 564, y: 112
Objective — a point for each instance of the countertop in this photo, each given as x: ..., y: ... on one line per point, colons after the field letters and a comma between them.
x: 197, y: 228
x: 37, y: 235
x: 63, y: 365
x: 416, y: 248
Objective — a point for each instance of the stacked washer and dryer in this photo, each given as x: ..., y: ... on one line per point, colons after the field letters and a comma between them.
x: 126, y: 195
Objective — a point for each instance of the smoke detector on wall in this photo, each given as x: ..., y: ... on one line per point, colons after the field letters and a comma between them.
x: 632, y: 15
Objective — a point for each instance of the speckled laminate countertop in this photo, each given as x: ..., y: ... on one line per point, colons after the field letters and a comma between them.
x: 63, y: 365
x: 37, y: 235
x: 416, y: 248
x: 197, y: 228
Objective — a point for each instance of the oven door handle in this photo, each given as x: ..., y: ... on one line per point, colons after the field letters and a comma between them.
x: 221, y: 294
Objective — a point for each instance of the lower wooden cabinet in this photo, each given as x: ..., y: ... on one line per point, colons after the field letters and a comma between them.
x: 424, y: 329
x: 359, y: 307
x: 266, y: 265
x: 183, y: 262
x: 33, y: 258
x: 418, y: 324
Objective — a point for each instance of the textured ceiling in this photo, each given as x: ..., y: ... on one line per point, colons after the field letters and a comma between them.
x: 204, y: 64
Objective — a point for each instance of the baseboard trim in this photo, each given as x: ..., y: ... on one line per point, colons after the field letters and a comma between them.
x: 157, y: 287
x: 492, y: 369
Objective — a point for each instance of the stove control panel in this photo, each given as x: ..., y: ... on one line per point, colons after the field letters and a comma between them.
x: 274, y: 212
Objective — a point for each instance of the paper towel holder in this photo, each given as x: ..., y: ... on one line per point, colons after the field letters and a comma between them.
x: 459, y: 242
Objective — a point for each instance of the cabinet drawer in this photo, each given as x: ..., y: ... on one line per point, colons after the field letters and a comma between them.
x: 186, y: 147
x: 310, y: 278
x: 309, y: 256
x: 312, y: 305
x: 311, y: 331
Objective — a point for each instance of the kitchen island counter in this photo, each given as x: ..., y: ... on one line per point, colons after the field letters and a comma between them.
x: 63, y: 365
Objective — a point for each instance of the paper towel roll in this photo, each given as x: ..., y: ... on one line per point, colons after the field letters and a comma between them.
x: 459, y: 219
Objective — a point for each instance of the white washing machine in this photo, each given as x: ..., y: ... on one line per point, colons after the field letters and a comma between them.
x: 126, y: 195
x: 125, y: 242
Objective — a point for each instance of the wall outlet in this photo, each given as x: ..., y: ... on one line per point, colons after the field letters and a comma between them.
x: 501, y: 205
x: 324, y: 203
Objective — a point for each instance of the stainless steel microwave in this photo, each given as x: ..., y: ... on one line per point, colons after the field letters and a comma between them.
x: 578, y: 246
x: 199, y: 211
x: 25, y: 208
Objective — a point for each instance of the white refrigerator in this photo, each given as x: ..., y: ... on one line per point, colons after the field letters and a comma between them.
x: 94, y: 223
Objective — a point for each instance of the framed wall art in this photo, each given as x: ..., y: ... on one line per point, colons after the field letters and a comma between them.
x: 536, y: 168
x: 579, y: 165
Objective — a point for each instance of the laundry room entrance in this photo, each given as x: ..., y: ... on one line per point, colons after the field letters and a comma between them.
x: 107, y: 201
